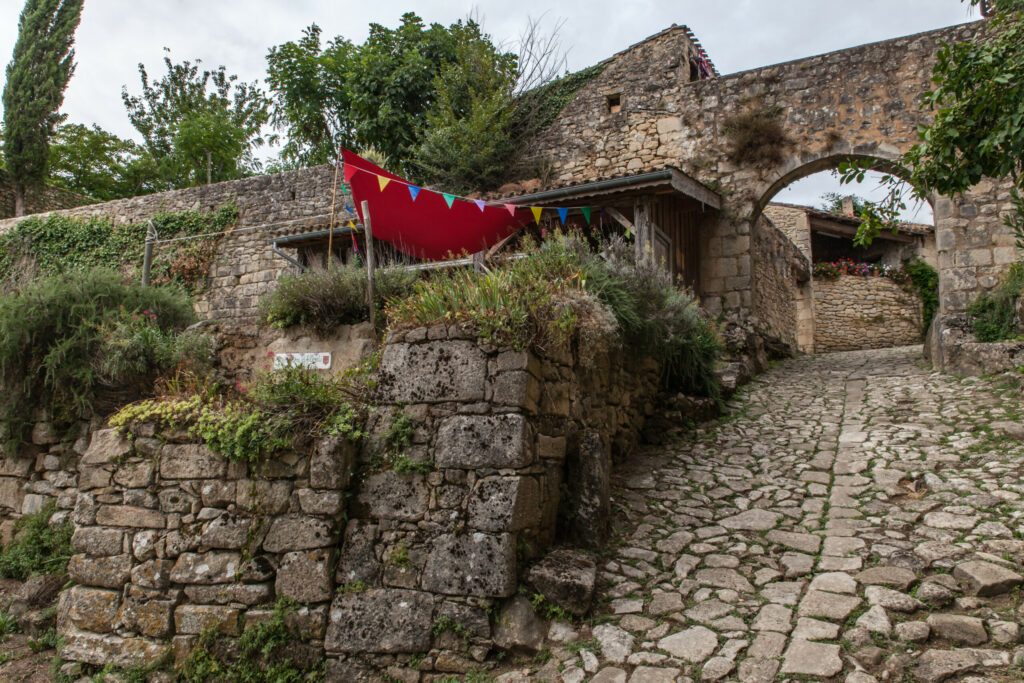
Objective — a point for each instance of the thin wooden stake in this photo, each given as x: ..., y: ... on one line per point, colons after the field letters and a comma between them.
x: 369, y: 263
x: 334, y: 197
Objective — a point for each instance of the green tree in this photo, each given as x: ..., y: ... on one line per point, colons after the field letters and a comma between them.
x: 198, y: 126
x: 978, y: 125
x: 379, y: 94
x: 311, y: 103
x: 37, y: 75
x: 99, y: 164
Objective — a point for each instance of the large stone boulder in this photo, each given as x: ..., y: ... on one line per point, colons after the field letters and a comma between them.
x: 566, y: 578
x: 382, y: 621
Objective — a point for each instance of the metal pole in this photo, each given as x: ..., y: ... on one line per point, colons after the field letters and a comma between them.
x: 369, y: 263
x: 147, y: 254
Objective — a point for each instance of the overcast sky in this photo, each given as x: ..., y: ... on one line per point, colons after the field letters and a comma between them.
x: 115, y: 35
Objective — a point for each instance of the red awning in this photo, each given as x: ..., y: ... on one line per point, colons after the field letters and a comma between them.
x: 423, y: 223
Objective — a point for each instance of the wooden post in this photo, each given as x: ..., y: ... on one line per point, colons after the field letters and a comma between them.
x: 147, y: 254
x: 642, y: 221
x: 369, y: 263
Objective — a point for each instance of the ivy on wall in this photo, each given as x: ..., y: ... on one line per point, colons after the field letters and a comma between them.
x: 55, y: 244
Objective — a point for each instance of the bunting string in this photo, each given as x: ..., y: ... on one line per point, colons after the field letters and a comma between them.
x: 350, y: 170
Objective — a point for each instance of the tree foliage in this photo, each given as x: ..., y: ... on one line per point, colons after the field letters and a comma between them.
x: 978, y: 126
x: 99, y: 164
x: 37, y: 75
x: 198, y: 125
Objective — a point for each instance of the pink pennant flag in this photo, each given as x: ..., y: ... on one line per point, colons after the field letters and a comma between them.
x: 511, y: 208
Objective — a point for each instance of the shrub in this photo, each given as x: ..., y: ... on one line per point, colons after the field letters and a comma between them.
x: 39, y: 547
x: 994, y: 315
x: 925, y: 280
x: 322, y: 299
x: 561, y: 292
x: 756, y: 136
x: 55, y: 336
x: 278, y: 411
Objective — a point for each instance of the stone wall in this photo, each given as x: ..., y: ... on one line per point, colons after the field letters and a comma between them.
x: 38, y: 200
x: 782, y: 281
x: 509, y: 451
x: 853, y: 313
x: 244, y: 267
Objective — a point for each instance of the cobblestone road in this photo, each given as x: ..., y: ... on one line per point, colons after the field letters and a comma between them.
x: 858, y: 518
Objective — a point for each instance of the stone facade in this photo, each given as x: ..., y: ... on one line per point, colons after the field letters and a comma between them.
x: 509, y: 451
x: 783, y: 277
x: 854, y: 313
x: 861, y: 102
x: 46, y: 198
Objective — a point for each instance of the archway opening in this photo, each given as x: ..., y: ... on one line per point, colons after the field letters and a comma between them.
x: 856, y: 297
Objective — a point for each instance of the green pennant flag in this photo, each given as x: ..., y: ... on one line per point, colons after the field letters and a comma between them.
x: 585, y: 210
x: 449, y: 199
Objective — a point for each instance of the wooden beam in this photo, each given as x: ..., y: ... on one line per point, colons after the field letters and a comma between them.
x: 691, y: 188
x: 621, y: 220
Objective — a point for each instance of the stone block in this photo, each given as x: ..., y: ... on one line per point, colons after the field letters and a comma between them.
x: 477, y: 564
x: 148, y: 617
x: 107, y: 446
x: 227, y: 532
x: 134, y: 475
x: 98, y: 542
x: 191, y: 461
x: 299, y: 532
x: 15, y: 467
x: 192, y: 620
x: 389, y: 495
x: 518, y: 628
x: 11, y: 493
x: 331, y: 465
x: 264, y: 497
x: 588, y: 475
x: 505, y: 504
x: 318, y: 502
x: 227, y: 593
x: 130, y: 516
x: 155, y: 574
x: 305, y: 576
x: 433, y: 372
x: 380, y: 621
x: 206, y: 568
x: 357, y: 561
x: 484, y: 441
x: 566, y: 578
x: 104, y: 649
x: 104, y: 572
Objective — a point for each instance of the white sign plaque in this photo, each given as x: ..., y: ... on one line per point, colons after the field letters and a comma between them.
x: 315, y: 361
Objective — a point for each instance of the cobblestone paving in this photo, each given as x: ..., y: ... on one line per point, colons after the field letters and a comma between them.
x: 857, y: 519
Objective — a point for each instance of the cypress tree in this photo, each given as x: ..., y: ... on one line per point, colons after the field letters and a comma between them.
x: 38, y: 73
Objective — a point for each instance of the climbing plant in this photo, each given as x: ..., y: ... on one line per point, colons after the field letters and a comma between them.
x: 56, y: 244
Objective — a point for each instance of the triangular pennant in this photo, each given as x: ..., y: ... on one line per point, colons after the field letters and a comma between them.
x: 349, y: 172
x: 511, y: 208
x: 586, y: 213
x: 383, y: 182
x: 413, y: 191
x: 448, y: 199
x: 562, y: 215
x: 480, y: 204
x: 352, y: 224
x: 536, y: 210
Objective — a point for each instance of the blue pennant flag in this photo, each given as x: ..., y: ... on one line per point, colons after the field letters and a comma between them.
x: 562, y: 214
x: 413, y: 191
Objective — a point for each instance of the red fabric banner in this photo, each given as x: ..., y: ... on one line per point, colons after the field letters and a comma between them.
x: 425, y: 226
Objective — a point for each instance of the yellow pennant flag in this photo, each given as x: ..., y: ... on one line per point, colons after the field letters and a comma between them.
x: 536, y: 210
x: 383, y: 182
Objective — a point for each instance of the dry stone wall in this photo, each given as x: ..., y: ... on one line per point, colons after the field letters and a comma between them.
x: 782, y: 280
x: 853, y: 313
x: 400, y: 561
x: 38, y: 200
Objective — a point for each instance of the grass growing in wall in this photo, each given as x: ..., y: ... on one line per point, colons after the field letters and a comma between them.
x: 38, y: 547
x: 994, y: 315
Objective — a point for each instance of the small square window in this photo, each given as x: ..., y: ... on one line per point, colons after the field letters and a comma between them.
x: 615, y: 103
